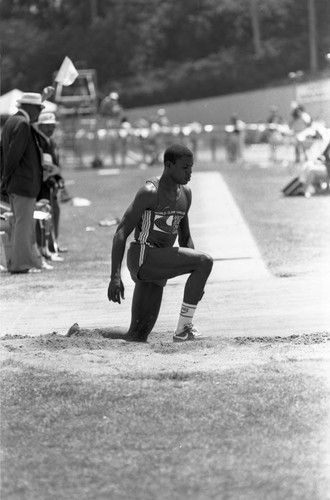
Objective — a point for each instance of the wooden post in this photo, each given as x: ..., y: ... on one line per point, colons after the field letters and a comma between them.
x: 313, y: 63
x: 255, y: 27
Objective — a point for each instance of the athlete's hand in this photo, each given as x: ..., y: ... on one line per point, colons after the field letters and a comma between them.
x: 116, y: 290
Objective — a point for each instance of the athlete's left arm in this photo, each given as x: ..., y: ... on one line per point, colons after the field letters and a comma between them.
x: 184, y: 236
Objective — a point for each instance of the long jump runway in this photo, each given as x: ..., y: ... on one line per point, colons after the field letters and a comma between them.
x: 242, y: 298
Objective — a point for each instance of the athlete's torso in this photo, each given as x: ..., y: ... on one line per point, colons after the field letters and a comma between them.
x: 159, y: 227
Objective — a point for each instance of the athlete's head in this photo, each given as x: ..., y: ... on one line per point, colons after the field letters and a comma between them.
x: 176, y: 151
x: 178, y: 162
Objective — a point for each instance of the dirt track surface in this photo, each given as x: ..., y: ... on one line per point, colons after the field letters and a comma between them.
x: 90, y: 353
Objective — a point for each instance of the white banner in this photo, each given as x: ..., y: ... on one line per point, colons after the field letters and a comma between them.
x: 67, y: 73
x: 313, y: 92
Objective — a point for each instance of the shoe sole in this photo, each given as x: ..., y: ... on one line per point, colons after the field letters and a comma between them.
x: 188, y: 339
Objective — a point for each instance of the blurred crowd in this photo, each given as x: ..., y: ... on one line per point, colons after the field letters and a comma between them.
x: 141, y: 141
x: 113, y: 135
x: 308, y: 138
x: 301, y: 131
x: 32, y: 183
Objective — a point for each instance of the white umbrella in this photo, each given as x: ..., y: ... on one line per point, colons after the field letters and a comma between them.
x: 8, y: 103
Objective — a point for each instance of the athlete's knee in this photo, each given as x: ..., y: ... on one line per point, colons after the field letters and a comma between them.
x: 206, y: 263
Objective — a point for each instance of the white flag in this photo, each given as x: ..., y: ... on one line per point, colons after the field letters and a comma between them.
x: 67, y: 73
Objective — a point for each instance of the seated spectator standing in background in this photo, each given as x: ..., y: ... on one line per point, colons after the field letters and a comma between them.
x: 124, y: 136
x: 52, y: 181
x: 112, y: 111
x: 162, y: 118
x: 110, y: 106
x: 22, y: 177
x: 315, y: 172
x: 274, y: 116
x: 235, y: 138
x: 63, y: 193
x: 300, y: 120
x: 273, y: 133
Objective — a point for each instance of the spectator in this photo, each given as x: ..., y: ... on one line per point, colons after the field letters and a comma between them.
x: 273, y: 133
x: 124, y: 136
x: 142, y: 125
x: 274, y: 116
x: 235, y: 138
x: 158, y: 129
x: 161, y: 118
x: 110, y: 107
x: 112, y: 111
x: 53, y: 181
x: 300, y: 121
x: 22, y: 175
x: 316, y: 171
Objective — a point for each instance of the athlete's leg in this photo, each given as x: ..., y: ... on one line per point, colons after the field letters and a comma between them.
x: 193, y: 293
x: 166, y: 263
x: 195, y: 284
x: 170, y: 262
x: 146, y: 302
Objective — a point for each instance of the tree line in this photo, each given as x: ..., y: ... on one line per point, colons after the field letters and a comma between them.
x: 158, y: 51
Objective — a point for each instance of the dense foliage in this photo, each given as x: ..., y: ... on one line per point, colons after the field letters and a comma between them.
x: 155, y: 51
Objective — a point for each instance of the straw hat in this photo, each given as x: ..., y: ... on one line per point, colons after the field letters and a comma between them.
x: 47, y: 118
x: 31, y: 98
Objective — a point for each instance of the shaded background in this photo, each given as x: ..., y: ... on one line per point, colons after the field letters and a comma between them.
x: 161, y: 51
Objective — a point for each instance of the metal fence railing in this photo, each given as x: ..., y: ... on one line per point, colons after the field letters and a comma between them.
x: 95, y: 142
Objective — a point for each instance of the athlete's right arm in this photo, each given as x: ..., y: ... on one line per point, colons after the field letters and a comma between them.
x: 145, y: 199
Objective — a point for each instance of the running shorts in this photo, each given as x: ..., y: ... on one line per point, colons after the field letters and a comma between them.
x: 136, y: 256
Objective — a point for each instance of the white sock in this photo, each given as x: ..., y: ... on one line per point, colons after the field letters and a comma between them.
x: 186, y: 315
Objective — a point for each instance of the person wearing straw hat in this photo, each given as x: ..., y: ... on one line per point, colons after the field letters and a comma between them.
x: 52, y: 180
x: 22, y: 176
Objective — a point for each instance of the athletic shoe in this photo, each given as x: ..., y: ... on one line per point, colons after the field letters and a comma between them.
x: 56, y: 258
x: 46, y: 266
x: 189, y: 332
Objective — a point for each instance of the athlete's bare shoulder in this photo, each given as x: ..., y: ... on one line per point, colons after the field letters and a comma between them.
x: 187, y: 193
x: 187, y: 190
x: 147, y: 195
x: 152, y: 185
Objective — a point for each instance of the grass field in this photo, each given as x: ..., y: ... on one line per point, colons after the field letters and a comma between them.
x: 248, y: 433
x: 87, y: 418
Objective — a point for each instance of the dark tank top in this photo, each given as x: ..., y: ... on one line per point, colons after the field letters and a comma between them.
x: 159, y: 228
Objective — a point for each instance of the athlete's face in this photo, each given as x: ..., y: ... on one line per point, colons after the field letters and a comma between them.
x: 181, y: 169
